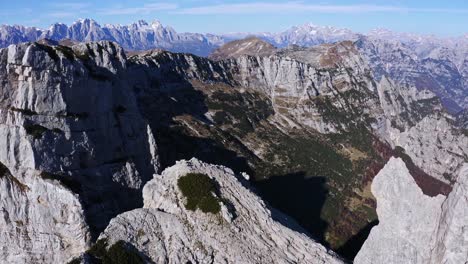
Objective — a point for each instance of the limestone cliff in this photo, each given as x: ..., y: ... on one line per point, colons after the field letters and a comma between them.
x: 413, y: 227
x: 75, y: 144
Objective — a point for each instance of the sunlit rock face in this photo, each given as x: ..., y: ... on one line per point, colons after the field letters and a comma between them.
x: 413, y: 227
x: 244, y: 231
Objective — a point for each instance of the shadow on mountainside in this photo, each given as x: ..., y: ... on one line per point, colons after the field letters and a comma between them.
x: 176, y: 112
x: 176, y: 146
x: 350, y: 249
x: 163, y: 102
x: 300, y: 197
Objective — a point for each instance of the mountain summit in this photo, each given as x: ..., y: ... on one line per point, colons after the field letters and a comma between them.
x: 252, y: 46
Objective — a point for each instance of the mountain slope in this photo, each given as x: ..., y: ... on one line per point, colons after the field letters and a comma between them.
x: 426, y: 62
x: 433, y: 71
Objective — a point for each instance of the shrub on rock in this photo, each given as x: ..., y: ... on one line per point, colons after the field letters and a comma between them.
x: 199, y: 190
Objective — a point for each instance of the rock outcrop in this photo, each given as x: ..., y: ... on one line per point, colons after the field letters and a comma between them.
x: 42, y: 221
x: 413, y: 227
x: 244, y: 231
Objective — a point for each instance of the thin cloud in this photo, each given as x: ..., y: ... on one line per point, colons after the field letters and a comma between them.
x: 439, y: 10
x: 68, y: 9
x: 16, y: 12
x: 300, y: 7
x: 71, y: 5
x: 61, y: 14
x: 289, y: 7
x: 145, y: 9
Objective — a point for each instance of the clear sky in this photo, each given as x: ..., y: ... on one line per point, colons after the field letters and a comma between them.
x: 443, y: 17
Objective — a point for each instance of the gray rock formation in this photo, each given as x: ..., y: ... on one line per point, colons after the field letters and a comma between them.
x: 413, y: 227
x: 462, y: 119
x: 424, y: 68
x: 73, y: 141
x: 242, y: 232
x: 434, y: 145
x: 451, y: 242
x: 42, y: 221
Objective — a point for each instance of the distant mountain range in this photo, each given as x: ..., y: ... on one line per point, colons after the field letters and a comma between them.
x: 140, y: 35
x: 427, y: 62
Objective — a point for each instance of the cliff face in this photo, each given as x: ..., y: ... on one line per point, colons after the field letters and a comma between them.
x: 330, y: 89
x: 75, y: 143
x: 439, y: 67
x: 413, y: 227
x: 451, y: 243
x: 42, y: 221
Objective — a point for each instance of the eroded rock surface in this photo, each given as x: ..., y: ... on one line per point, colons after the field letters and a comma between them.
x: 413, y: 227
x: 244, y: 231
x: 71, y: 134
x: 42, y: 221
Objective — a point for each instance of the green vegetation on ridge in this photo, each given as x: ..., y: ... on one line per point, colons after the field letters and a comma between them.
x: 198, y: 189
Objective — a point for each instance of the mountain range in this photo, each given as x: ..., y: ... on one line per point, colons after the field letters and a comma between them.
x: 427, y: 62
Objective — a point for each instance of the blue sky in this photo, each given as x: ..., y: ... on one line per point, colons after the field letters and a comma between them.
x: 443, y: 18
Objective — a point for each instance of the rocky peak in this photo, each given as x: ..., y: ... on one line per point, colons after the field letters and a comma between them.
x: 156, y: 24
x: 413, y: 227
x: 57, y: 31
x: 310, y: 34
x: 251, y: 46
x: 140, y: 25
x: 107, y: 55
x: 245, y: 230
